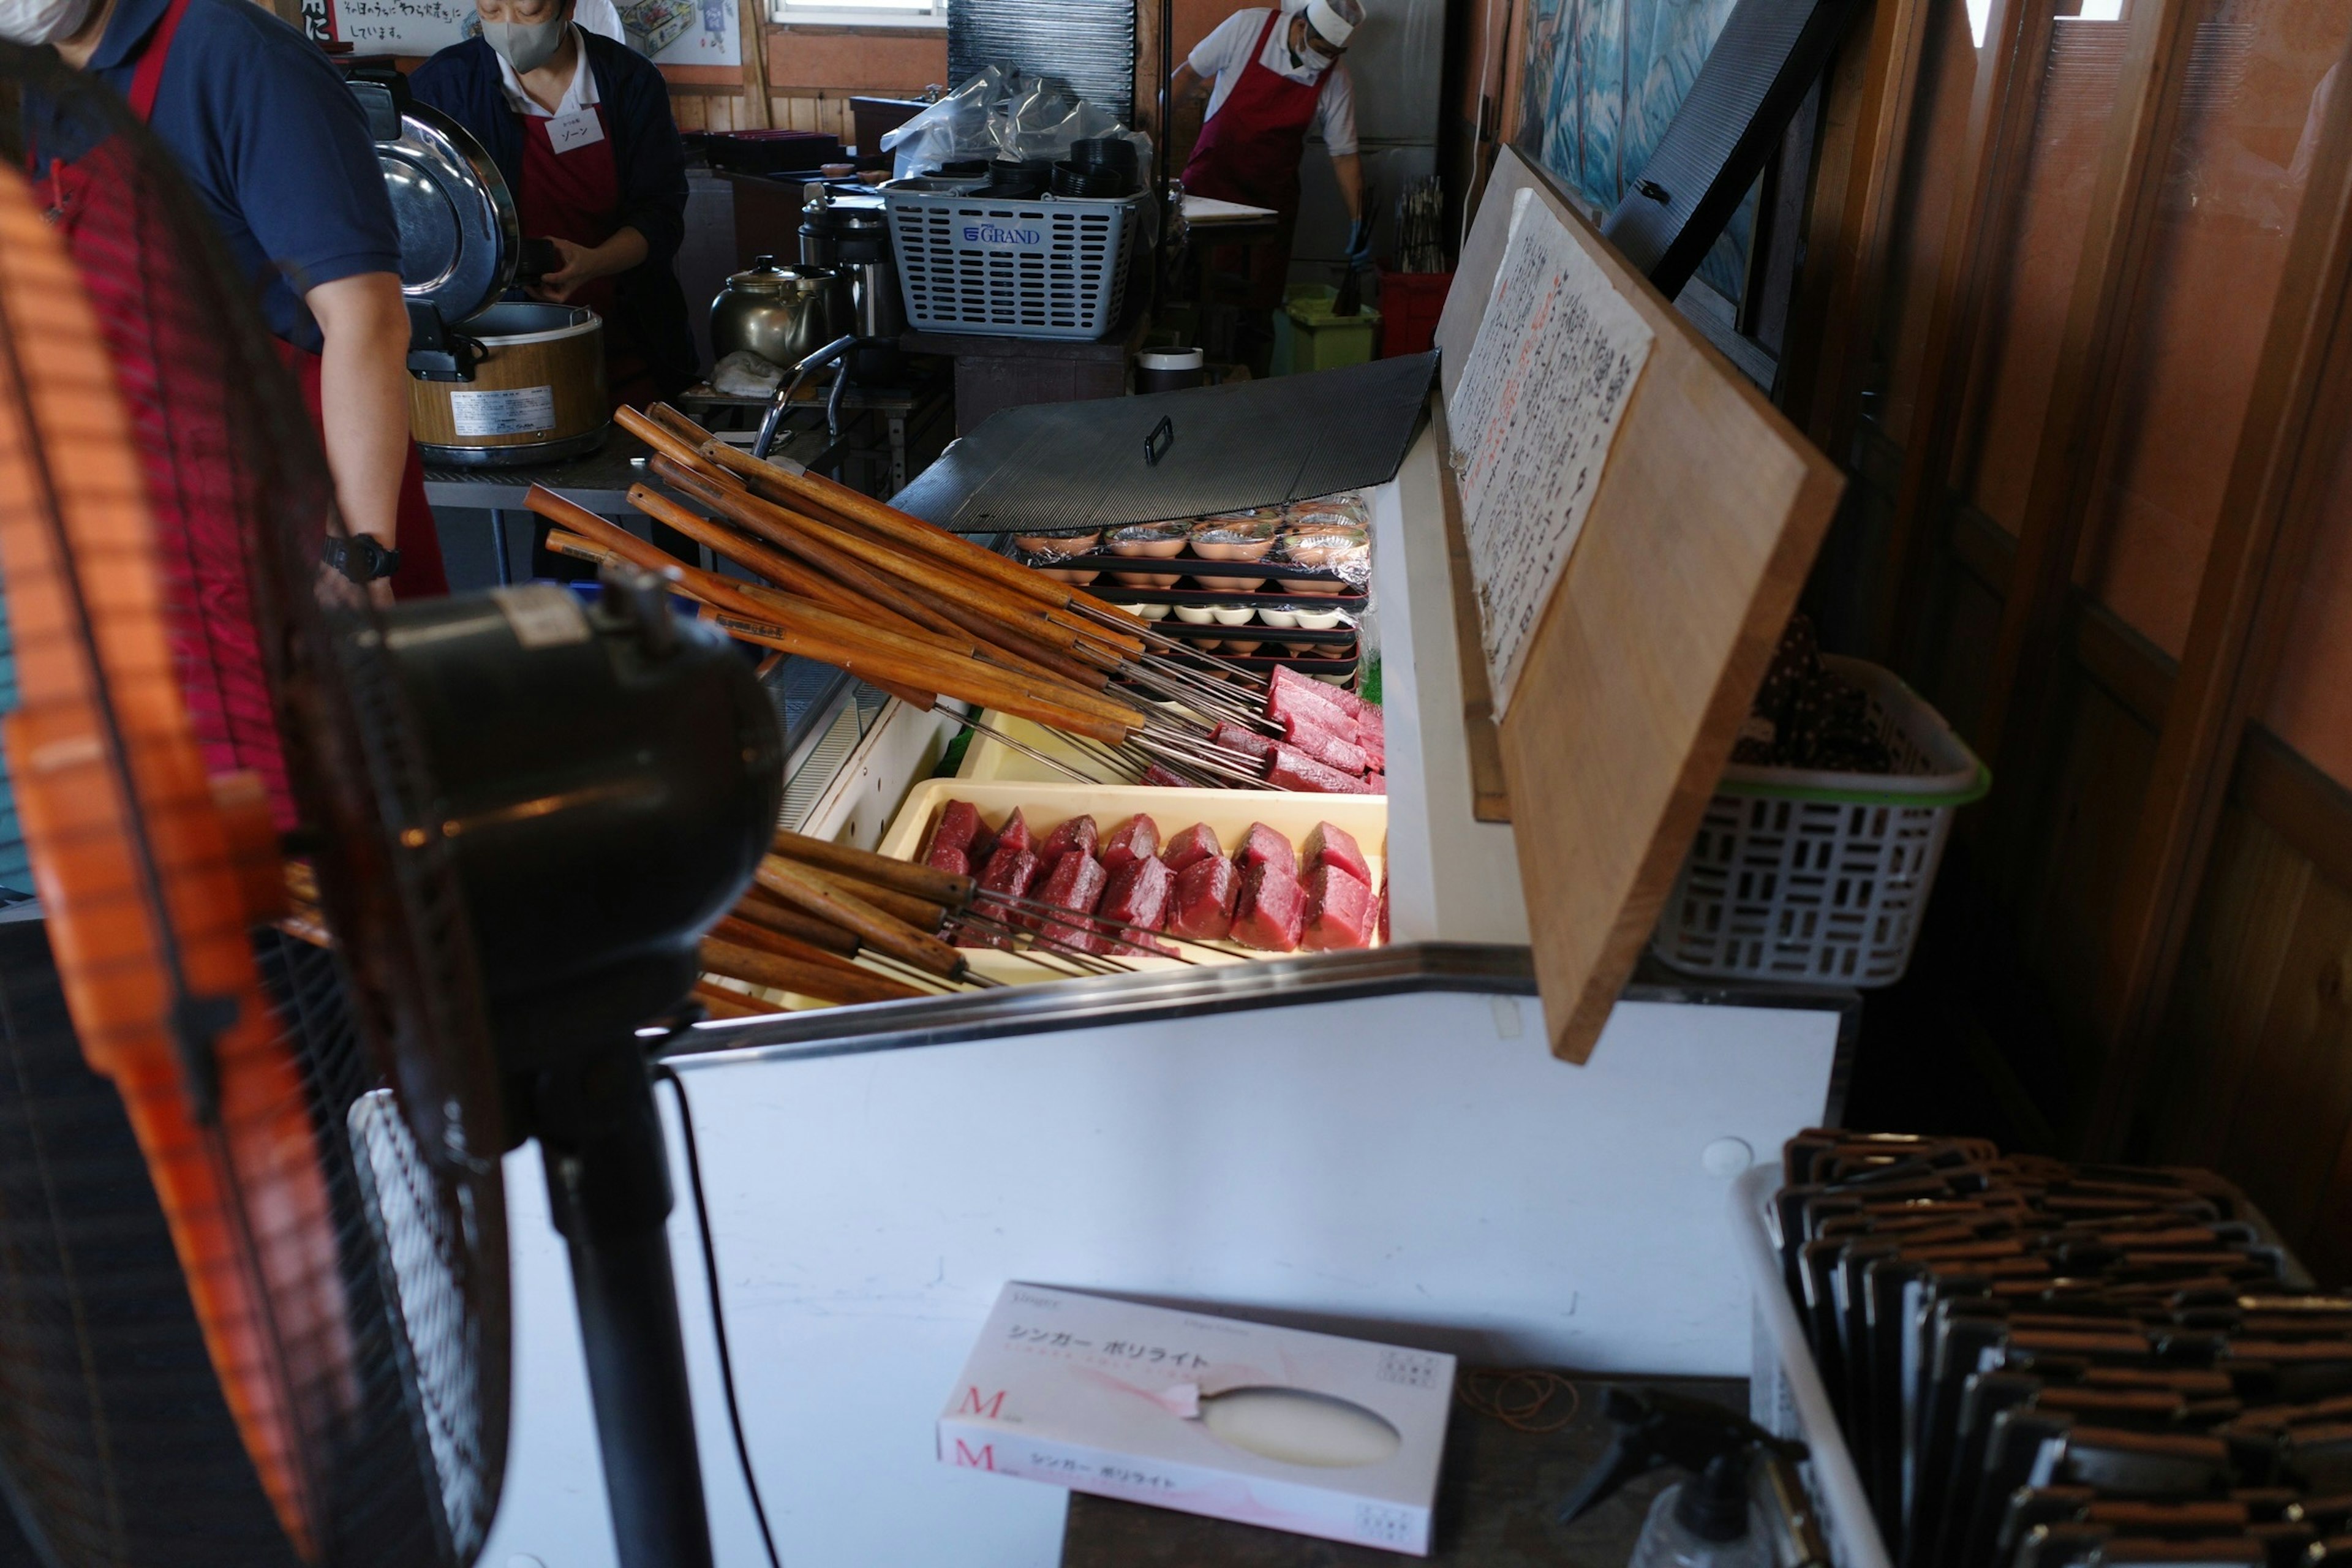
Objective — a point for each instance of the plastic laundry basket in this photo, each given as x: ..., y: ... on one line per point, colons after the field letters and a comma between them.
x: 1802, y: 875
x: 1047, y: 267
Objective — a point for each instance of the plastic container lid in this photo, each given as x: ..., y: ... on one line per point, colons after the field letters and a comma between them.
x: 1171, y: 358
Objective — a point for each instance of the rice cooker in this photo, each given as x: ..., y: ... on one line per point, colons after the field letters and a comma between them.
x: 493, y: 382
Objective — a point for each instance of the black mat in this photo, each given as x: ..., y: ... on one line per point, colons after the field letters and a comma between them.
x: 1068, y: 467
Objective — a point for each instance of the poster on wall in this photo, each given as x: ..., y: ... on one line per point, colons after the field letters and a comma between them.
x: 669, y: 32
x: 1603, y: 80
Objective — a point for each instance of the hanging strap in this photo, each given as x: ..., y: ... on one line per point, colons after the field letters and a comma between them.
x: 147, y: 81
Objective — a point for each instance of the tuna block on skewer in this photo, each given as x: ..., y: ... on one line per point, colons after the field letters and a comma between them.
x: 1262, y: 846
x: 1271, y: 915
x: 1137, y: 838
x: 1014, y: 833
x: 1324, y: 747
x: 1075, y: 884
x: 1366, y: 716
x: 1202, y: 906
x: 1233, y: 737
x: 1077, y: 832
x: 1336, y: 846
x: 1010, y: 872
x: 1137, y: 895
x: 1198, y: 842
x: 958, y: 823
x: 1339, y: 912
x: 954, y: 862
x: 1292, y: 769
x: 1161, y: 778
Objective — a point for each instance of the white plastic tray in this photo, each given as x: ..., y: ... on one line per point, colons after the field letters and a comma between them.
x: 1784, y: 1387
x: 1228, y: 812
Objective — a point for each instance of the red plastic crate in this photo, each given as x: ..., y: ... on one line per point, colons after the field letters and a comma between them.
x: 1411, y: 303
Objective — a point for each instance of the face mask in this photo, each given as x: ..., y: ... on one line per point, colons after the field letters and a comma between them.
x: 526, y: 46
x: 38, y: 21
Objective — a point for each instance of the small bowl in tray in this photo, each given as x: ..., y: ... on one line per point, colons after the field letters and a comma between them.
x: 1353, y: 602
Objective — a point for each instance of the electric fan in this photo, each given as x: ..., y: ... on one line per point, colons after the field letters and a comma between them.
x: 505, y: 820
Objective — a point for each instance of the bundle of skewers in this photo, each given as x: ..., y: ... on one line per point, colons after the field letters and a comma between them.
x: 843, y: 925
x: 923, y: 614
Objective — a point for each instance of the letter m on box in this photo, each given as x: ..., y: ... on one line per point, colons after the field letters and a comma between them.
x: 967, y: 1460
x: 988, y: 1409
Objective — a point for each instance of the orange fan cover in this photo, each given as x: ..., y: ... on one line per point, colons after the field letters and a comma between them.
x: 147, y: 871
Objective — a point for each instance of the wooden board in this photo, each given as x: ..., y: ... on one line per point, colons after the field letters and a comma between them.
x: 1709, y: 510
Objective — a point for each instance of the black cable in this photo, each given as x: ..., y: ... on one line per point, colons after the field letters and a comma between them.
x: 663, y: 1073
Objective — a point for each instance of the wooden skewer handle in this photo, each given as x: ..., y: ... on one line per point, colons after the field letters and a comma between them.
x: 804, y: 891
x: 942, y: 888
x: 760, y: 909
x: 826, y: 985
x: 923, y: 914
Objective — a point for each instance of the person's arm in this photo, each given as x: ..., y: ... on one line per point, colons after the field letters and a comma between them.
x: 364, y: 397
x: 1189, y: 87
x: 1348, y: 168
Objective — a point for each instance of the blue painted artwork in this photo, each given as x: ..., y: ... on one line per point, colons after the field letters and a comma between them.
x: 1603, y: 79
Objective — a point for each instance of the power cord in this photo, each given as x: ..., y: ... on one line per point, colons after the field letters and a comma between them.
x: 664, y: 1073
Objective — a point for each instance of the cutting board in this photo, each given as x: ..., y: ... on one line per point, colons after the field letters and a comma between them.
x: 1644, y: 659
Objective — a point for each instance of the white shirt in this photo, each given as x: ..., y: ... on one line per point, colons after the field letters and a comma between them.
x: 582, y: 94
x: 1224, y: 54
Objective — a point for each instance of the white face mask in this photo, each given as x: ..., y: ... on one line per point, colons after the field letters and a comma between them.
x: 526, y: 46
x: 37, y: 22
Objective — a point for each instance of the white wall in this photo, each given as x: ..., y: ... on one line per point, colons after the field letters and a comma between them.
x: 1411, y: 1167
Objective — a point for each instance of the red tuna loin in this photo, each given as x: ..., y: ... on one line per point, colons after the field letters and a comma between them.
x: 1272, y: 912
x: 1014, y: 833
x: 1338, y: 910
x: 1137, y: 838
x: 1161, y: 778
x: 1262, y: 846
x: 1287, y: 705
x: 958, y: 821
x: 1324, y: 746
x: 1367, y: 715
x: 1075, y: 833
x: 946, y: 857
x: 1202, y: 906
x: 1138, y: 896
x: 1235, y: 738
x: 1198, y: 842
x: 1293, y: 769
x: 1074, y: 884
x: 1331, y: 846
x: 1009, y: 871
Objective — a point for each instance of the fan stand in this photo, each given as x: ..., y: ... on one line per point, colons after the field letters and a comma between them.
x: 608, y: 1186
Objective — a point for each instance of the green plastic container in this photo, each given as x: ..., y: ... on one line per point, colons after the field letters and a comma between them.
x: 1307, y: 336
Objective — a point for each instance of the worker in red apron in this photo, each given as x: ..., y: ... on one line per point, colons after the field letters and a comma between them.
x: 276, y: 152
x: 581, y: 127
x: 1268, y: 77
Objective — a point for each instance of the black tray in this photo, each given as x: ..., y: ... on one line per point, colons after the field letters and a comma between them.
x: 1212, y: 633
x: 1185, y: 565
x: 1123, y: 594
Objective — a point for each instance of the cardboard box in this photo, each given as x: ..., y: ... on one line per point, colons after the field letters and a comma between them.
x: 1308, y: 1433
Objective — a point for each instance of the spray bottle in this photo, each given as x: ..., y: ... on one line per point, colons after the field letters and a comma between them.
x: 1704, y: 1521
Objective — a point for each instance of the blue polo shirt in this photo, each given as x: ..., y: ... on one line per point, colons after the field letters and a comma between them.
x: 275, y: 144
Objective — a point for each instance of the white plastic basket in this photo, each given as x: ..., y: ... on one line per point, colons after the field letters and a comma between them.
x: 1799, y: 875
x: 1785, y: 1395
x: 1051, y: 267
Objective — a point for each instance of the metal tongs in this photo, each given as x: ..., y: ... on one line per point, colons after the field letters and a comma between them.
x: 772, y: 425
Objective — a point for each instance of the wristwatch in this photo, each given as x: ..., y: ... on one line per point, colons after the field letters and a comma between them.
x: 359, y: 557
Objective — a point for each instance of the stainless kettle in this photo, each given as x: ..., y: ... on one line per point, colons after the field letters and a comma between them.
x: 782, y: 313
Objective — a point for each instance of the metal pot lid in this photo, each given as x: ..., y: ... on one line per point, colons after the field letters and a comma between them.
x: 459, y: 239
x: 766, y: 274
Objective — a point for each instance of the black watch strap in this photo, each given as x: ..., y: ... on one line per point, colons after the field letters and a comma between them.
x: 359, y: 557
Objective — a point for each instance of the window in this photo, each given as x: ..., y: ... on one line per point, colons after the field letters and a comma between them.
x: 861, y: 13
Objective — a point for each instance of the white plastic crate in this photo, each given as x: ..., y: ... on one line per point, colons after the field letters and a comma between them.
x: 1799, y: 875
x: 1051, y: 267
x: 1785, y: 1395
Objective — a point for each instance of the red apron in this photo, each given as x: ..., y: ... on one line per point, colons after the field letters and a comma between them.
x: 1249, y: 152
x: 199, y: 491
x: 576, y: 195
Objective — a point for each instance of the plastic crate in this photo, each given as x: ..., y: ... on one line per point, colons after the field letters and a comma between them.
x: 1798, y: 875
x: 1411, y: 303
x: 1052, y: 267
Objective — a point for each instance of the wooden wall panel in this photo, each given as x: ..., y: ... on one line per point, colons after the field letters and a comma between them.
x: 2017, y: 362
x: 2310, y: 704
x: 2232, y: 188
x: 873, y: 62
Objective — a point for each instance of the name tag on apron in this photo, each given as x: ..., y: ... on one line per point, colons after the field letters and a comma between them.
x: 581, y: 128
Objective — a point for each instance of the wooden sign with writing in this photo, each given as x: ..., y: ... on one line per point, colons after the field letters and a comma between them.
x: 1627, y: 683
